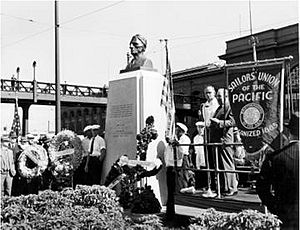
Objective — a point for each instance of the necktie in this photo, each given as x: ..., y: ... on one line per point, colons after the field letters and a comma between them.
x: 92, y: 146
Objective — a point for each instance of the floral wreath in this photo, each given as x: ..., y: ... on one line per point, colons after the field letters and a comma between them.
x: 144, y: 138
x: 65, y: 152
x: 36, y: 156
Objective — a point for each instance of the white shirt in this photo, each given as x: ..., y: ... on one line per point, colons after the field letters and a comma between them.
x: 208, y: 110
x: 6, y: 158
x: 180, y: 150
x: 99, y: 144
x: 85, y: 143
x: 199, y: 151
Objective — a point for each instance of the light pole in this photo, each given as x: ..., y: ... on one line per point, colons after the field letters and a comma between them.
x: 34, y: 83
x: 18, y: 72
x: 34, y: 65
x: 57, y: 77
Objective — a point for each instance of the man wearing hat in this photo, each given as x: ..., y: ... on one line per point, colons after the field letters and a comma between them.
x: 182, y: 151
x: 280, y: 173
x: 137, y: 47
x: 200, y: 177
x: 97, y: 152
x: 8, y: 170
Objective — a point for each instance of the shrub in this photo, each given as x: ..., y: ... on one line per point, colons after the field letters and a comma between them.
x: 145, y: 222
x: 247, y: 220
x: 86, y: 207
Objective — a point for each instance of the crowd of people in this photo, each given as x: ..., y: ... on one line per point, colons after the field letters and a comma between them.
x: 14, y: 183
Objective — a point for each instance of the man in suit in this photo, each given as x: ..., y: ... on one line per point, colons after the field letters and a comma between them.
x: 278, y: 182
x: 221, y: 131
x: 7, y: 167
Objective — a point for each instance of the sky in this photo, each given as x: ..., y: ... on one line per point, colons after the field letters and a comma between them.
x: 94, y: 38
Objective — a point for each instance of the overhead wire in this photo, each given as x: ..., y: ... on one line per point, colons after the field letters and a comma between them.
x: 98, y: 10
x: 27, y: 37
x: 24, y: 19
x: 63, y: 23
x: 92, y: 12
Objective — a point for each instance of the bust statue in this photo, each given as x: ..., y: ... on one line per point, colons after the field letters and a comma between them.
x: 137, y: 47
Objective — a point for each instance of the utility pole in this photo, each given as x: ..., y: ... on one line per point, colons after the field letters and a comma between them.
x: 57, y: 77
x: 253, y: 40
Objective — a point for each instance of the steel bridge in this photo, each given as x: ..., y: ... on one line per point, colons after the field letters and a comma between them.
x: 43, y: 93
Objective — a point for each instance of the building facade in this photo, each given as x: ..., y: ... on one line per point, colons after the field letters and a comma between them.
x: 275, y: 43
x: 76, y: 118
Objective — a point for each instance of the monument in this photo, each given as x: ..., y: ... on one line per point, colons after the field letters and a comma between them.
x: 132, y: 97
x: 138, y: 45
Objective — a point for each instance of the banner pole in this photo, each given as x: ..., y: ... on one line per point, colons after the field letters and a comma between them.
x: 259, y: 61
x: 282, y: 102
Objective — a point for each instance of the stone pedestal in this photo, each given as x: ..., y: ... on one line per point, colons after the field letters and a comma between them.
x: 131, y: 99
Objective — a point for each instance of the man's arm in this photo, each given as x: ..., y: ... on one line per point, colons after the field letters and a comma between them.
x: 264, y: 184
x: 103, y: 154
x: 225, y: 123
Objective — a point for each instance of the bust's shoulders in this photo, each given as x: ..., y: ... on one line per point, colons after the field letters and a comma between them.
x: 148, y: 63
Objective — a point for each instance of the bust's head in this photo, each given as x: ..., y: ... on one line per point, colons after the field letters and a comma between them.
x: 137, y: 44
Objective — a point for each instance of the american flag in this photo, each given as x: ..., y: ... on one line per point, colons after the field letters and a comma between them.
x: 16, y: 127
x: 167, y: 100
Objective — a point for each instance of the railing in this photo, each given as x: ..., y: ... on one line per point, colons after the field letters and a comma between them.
x: 49, y: 88
x: 251, y: 170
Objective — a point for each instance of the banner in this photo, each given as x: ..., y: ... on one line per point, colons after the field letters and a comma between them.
x: 255, y: 99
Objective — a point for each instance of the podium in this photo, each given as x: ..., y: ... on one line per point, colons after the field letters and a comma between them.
x: 132, y: 98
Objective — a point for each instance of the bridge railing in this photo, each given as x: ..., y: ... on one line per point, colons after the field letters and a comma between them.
x: 49, y: 88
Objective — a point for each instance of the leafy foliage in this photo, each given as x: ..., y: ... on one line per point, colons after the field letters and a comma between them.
x: 145, y: 222
x: 247, y: 220
x: 85, y: 207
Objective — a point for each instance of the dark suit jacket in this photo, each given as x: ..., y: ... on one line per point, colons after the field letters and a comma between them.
x: 224, y: 130
x: 280, y: 171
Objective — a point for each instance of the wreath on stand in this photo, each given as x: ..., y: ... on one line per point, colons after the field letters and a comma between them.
x: 65, y: 152
x: 125, y: 174
x: 123, y: 177
x: 33, y: 161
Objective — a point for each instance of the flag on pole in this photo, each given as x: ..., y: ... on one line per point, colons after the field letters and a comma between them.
x: 16, y: 127
x: 167, y: 100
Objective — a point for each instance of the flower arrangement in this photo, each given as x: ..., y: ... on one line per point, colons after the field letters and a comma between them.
x: 131, y: 196
x: 33, y: 161
x: 66, y: 155
x: 145, y: 201
x: 145, y: 137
